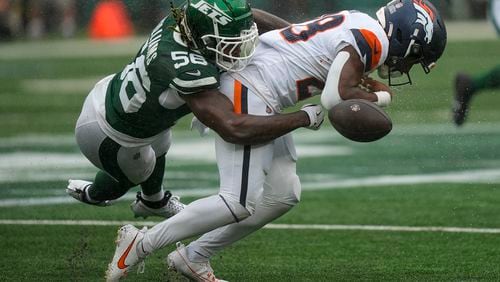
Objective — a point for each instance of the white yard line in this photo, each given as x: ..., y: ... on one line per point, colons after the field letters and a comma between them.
x: 490, y: 176
x: 325, y: 227
x: 70, y: 48
x: 59, y: 86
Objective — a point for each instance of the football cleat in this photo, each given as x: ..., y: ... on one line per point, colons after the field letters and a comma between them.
x: 463, y: 94
x: 167, y: 207
x: 78, y: 190
x: 126, y: 256
x: 197, y: 271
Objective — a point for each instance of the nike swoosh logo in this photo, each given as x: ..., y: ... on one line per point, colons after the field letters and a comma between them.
x: 121, y: 261
x: 194, y: 73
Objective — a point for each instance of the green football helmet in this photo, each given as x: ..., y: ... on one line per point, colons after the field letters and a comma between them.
x: 222, y: 30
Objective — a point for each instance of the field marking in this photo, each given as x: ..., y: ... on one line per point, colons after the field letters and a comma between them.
x: 59, y: 86
x: 274, y: 226
x: 70, y: 48
x: 488, y: 176
x: 301, y: 136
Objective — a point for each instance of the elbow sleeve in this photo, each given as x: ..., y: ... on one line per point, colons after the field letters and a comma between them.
x: 331, y: 95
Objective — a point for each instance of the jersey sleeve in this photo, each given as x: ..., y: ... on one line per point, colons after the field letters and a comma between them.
x: 368, y: 47
x: 195, y: 79
x: 185, y: 71
x: 368, y: 38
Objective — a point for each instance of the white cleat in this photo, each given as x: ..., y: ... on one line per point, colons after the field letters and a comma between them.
x: 196, y: 271
x: 126, y: 256
x: 169, y: 206
x: 78, y: 190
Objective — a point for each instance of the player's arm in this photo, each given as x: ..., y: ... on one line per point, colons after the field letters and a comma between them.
x: 216, y: 111
x: 344, y: 79
x: 266, y: 21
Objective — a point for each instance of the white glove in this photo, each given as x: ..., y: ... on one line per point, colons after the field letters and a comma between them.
x: 316, y: 115
x: 198, y: 125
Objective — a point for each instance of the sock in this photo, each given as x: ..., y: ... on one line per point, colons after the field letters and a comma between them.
x: 106, y: 187
x: 155, y: 197
x: 152, y: 189
x: 141, y: 253
x: 487, y: 80
x: 87, y: 196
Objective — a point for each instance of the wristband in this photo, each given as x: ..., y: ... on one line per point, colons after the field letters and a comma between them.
x: 384, y: 98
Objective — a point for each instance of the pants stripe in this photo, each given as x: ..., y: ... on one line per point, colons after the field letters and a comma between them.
x: 241, y: 106
x: 237, y: 96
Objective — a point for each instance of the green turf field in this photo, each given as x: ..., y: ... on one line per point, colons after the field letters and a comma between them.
x: 421, y: 204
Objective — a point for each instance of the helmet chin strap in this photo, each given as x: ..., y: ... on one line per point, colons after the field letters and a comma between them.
x: 402, y: 83
x: 384, y: 71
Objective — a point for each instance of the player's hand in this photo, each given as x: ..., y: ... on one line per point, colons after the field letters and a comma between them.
x: 198, y: 125
x: 374, y: 85
x: 316, y: 115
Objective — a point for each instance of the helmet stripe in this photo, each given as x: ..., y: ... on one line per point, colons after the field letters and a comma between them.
x: 425, y: 7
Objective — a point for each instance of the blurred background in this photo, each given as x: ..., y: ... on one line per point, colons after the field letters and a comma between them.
x: 35, y: 19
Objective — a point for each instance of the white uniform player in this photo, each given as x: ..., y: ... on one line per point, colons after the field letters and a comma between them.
x: 289, y: 65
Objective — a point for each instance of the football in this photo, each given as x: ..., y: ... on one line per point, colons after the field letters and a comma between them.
x: 360, y: 120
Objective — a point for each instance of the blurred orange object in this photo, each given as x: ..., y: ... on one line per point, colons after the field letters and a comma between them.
x: 110, y: 20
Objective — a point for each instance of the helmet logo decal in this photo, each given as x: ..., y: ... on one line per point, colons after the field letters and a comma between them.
x: 213, y: 12
x: 425, y: 18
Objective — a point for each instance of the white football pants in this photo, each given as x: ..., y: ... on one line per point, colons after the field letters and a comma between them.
x: 136, y: 162
x: 257, y: 185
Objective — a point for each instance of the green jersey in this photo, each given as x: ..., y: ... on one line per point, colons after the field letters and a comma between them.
x: 143, y: 100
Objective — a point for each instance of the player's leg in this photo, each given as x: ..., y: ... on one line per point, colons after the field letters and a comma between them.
x: 152, y: 200
x: 467, y: 86
x: 242, y: 180
x: 96, y: 147
x: 281, y: 193
x: 242, y: 177
x: 120, y: 167
x: 272, y: 202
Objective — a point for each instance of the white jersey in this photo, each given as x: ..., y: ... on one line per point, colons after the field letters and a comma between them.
x: 292, y: 64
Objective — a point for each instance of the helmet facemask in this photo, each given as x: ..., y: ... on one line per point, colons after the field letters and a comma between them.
x: 222, y: 30
x: 395, y: 66
x: 232, y: 53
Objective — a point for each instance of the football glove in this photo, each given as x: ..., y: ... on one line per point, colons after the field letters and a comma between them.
x: 198, y: 125
x: 316, y: 115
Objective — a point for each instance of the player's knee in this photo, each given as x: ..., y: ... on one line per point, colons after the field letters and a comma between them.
x: 137, y: 166
x: 291, y: 196
x: 294, y: 196
x: 238, y: 210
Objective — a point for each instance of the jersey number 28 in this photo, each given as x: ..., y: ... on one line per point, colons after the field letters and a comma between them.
x: 303, y: 32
